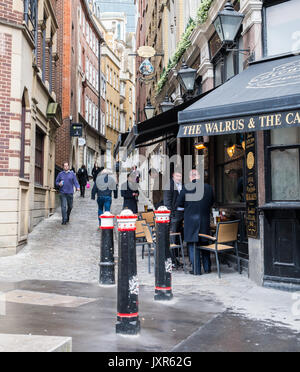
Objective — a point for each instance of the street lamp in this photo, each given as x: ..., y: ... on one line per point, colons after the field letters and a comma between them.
x: 187, y: 78
x: 228, y: 23
x: 149, y: 110
x: 166, y: 105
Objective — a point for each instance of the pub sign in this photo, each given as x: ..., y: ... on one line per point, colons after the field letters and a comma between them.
x: 76, y: 130
x: 252, y: 216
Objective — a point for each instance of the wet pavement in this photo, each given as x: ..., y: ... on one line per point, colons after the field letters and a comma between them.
x: 187, y: 324
x: 51, y: 289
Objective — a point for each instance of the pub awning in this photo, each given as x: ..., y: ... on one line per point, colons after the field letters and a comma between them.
x: 159, y: 128
x: 265, y: 96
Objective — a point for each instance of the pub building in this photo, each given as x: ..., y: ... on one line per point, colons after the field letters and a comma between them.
x: 251, y: 121
x: 247, y: 123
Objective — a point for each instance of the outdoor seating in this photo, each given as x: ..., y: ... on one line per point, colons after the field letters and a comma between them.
x: 224, y: 242
x: 150, y: 242
x: 178, y: 246
x: 149, y: 217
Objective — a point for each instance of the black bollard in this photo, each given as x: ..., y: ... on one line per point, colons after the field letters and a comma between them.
x: 128, y: 322
x: 163, y: 266
x: 107, y: 262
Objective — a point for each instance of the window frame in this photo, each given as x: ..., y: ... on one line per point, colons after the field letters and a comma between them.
x: 268, y: 170
x: 39, y: 178
x: 268, y: 4
x: 221, y: 181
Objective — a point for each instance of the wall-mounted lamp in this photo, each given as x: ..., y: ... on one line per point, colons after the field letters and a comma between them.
x: 227, y: 24
x: 200, y: 146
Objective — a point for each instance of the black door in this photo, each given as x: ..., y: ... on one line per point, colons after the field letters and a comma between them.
x: 282, y: 244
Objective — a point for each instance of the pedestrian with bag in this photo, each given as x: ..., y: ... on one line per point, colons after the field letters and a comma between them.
x: 83, y: 179
x: 103, y: 188
x: 130, y: 193
x: 66, y: 181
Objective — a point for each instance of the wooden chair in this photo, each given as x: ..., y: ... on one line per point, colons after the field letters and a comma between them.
x: 139, y: 229
x: 150, y: 241
x: 149, y: 217
x: 140, y: 236
x: 227, y: 233
x: 178, y: 246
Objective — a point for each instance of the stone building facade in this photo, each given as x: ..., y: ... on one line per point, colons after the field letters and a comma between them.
x: 29, y: 119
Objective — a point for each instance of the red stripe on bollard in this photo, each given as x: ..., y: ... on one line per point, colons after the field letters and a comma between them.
x: 163, y: 289
x: 132, y: 229
x: 135, y: 315
x: 106, y: 228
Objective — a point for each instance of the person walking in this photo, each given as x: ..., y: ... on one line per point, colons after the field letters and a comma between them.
x: 130, y: 193
x: 136, y: 174
x: 66, y: 181
x: 83, y: 179
x: 196, y: 218
x: 103, y: 188
x: 171, y: 196
x: 96, y: 170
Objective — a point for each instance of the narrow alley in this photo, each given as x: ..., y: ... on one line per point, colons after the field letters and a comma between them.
x: 52, y: 289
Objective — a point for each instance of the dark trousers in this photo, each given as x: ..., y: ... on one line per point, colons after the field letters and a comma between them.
x: 82, y: 191
x: 206, y: 261
x: 66, y: 201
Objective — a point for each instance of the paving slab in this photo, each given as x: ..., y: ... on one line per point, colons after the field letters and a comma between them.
x: 230, y: 332
x: 31, y: 344
x: 45, y: 299
x: 92, y: 325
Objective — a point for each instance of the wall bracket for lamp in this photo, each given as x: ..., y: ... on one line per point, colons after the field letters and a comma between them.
x: 245, y: 52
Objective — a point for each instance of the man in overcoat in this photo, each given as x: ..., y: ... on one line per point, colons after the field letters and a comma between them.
x: 197, y: 202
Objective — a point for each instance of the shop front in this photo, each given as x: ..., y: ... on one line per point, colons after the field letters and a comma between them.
x: 252, y: 129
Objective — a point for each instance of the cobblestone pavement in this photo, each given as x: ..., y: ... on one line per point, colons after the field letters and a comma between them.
x: 71, y: 254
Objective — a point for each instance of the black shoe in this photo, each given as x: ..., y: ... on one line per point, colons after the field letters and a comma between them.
x: 192, y: 273
x: 64, y: 223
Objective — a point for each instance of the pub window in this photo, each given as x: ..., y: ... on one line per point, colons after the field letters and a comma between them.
x: 283, y: 157
x: 281, y: 26
x: 230, y: 166
x: 39, y: 157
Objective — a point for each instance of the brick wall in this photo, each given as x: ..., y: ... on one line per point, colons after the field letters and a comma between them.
x: 63, y: 143
x: 9, y: 14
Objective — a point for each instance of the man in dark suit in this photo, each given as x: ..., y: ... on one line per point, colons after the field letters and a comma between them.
x: 197, y: 200
x: 171, y: 195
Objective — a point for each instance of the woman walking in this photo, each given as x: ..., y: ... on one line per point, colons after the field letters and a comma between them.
x: 83, y: 179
